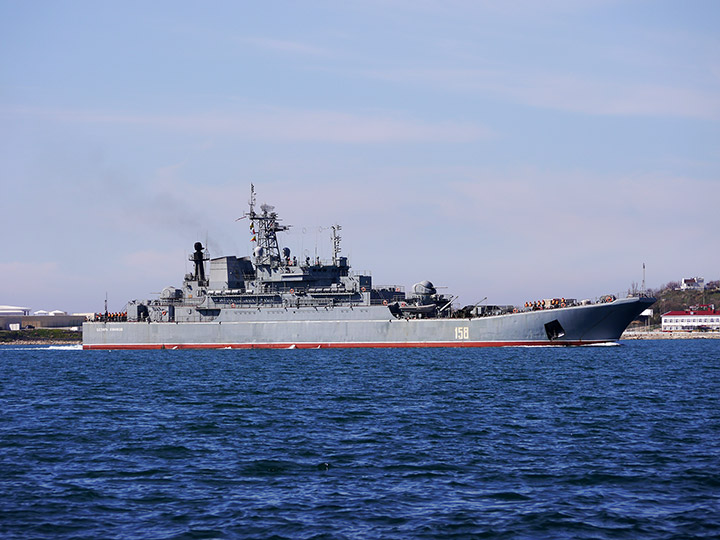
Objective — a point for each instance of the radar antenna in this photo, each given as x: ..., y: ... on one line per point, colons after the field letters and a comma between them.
x: 336, y: 244
x: 252, y: 200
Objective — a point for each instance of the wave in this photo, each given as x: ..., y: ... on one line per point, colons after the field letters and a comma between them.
x: 74, y: 347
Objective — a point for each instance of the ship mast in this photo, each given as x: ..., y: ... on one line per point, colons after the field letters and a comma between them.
x: 266, y: 225
x: 336, y: 244
x: 252, y: 200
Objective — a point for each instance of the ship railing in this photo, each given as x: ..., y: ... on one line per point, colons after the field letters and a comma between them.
x: 391, y: 288
x: 385, y: 301
x: 320, y: 302
x: 299, y: 302
x: 306, y: 262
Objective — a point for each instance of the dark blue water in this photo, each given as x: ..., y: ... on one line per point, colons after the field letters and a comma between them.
x: 606, y: 442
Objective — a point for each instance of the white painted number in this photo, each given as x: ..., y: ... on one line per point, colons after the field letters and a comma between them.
x: 462, y: 332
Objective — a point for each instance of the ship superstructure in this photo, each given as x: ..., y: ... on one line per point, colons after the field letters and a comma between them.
x: 272, y: 299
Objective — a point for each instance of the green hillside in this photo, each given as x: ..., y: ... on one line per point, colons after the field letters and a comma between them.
x: 41, y: 335
x: 669, y: 299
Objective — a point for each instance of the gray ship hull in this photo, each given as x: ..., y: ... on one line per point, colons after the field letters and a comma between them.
x: 371, y: 326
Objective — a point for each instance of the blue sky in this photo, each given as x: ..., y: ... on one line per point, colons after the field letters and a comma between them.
x: 514, y: 150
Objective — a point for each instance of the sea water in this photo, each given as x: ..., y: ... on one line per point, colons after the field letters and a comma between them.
x: 597, y: 442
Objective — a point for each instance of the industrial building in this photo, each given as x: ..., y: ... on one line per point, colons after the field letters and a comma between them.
x: 17, y: 318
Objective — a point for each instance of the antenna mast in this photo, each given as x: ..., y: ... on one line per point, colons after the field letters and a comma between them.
x: 336, y: 244
x: 642, y: 290
x: 267, y: 251
x: 252, y: 200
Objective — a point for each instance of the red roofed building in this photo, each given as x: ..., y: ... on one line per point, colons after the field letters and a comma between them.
x: 696, y: 318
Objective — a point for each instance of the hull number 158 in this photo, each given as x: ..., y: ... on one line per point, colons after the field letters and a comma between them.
x: 462, y: 332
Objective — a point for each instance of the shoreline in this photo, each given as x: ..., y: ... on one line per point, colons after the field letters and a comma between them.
x: 657, y: 334
x: 41, y: 342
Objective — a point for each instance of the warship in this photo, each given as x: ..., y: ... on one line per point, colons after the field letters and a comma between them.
x: 273, y: 300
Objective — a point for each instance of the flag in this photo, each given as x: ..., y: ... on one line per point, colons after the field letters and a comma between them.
x: 253, y: 239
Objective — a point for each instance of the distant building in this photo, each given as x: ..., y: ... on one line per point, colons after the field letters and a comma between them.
x: 692, y: 283
x: 696, y: 318
x: 16, y: 318
x: 11, y: 317
x: 14, y: 311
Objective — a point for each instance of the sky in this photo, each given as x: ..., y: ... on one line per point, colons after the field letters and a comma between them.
x: 510, y: 150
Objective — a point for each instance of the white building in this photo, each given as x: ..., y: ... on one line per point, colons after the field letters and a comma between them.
x: 692, y: 283
x: 705, y: 318
x: 14, y: 310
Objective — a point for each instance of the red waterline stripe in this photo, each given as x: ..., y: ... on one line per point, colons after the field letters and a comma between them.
x: 379, y: 345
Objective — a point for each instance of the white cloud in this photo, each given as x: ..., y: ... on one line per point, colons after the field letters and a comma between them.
x: 286, y: 46
x: 276, y: 124
x: 530, y: 10
x: 567, y: 92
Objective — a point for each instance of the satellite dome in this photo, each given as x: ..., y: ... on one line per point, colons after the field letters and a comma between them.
x: 258, y: 251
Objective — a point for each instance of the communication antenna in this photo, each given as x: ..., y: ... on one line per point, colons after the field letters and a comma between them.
x: 252, y: 199
x: 336, y: 243
x: 106, y: 312
x: 480, y: 302
x: 642, y: 290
